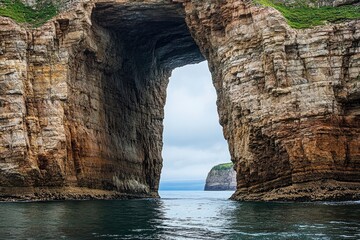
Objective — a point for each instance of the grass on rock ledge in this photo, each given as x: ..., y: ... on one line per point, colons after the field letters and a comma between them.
x: 35, y: 16
x: 302, y: 16
x: 224, y: 166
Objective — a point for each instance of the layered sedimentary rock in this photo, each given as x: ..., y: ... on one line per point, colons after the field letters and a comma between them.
x: 82, y: 98
x: 221, y: 178
x: 288, y: 100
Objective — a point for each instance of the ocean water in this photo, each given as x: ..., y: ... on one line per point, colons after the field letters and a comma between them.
x: 179, y: 215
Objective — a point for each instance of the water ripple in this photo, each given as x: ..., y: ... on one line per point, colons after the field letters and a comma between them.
x: 200, y: 215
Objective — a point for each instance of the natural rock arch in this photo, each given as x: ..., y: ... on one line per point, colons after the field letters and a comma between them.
x: 82, y: 99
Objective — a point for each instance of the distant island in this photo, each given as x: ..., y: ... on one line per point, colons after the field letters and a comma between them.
x: 222, y: 177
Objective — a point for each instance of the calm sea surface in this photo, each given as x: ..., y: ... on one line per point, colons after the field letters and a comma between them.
x: 179, y: 215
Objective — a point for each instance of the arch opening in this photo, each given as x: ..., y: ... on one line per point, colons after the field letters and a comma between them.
x: 142, y: 44
x: 193, y: 138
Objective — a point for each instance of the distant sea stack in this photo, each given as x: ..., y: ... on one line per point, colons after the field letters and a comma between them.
x: 222, y: 177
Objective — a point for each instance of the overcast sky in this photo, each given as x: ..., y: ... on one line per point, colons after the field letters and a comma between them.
x: 193, y: 139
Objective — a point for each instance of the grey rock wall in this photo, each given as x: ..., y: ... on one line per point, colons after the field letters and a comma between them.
x: 221, y: 180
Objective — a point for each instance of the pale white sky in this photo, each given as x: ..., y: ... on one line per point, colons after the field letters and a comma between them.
x: 193, y: 139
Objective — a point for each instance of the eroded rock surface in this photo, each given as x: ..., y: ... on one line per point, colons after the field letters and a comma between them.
x: 288, y: 100
x: 82, y: 99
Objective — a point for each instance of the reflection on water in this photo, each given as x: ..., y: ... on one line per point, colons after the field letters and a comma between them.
x: 296, y: 220
x: 179, y: 215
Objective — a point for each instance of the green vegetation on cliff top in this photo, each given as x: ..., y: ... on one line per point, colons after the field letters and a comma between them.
x: 21, y: 13
x: 224, y: 166
x: 300, y: 15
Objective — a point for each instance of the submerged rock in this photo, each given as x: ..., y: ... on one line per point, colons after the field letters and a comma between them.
x: 221, y: 178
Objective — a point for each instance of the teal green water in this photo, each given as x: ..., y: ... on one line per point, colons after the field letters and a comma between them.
x: 179, y: 215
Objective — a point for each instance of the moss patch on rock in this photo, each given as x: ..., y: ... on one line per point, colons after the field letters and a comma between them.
x: 21, y: 13
x: 300, y: 15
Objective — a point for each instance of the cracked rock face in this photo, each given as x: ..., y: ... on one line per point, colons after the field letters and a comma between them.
x: 82, y: 99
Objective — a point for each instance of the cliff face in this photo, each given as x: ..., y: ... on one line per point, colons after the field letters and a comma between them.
x: 82, y: 99
x: 288, y: 100
x: 221, y: 178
